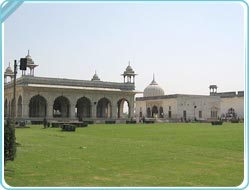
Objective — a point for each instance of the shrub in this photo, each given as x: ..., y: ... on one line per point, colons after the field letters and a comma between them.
x: 66, y: 127
x: 83, y: 124
x: 9, y: 141
x: 22, y: 124
x: 234, y: 121
x: 89, y: 122
x: 55, y: 125
x: 217, y: 122
x: 131, y: 122
x: 110, y: 122
x: 149, y: 121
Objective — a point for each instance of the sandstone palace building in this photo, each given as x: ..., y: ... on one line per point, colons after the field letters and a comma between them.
x: 96, y: 100
x: 68, y: 99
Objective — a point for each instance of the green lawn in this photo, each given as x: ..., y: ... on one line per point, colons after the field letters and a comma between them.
x: 129, y: 155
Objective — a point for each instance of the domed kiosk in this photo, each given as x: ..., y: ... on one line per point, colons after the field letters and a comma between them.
x: 153, y: 89
x: 8, y: 74
x: 129, y: 74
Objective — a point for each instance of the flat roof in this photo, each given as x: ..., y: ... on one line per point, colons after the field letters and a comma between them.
x: 79, y: 88
x: 74, y: 83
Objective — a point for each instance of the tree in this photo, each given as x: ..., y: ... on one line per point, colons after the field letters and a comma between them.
x: 9, y: 141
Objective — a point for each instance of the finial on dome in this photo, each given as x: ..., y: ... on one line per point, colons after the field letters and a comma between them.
x: 8, y: 71
x: 129, y: 63
x: 95, y: 77
x: 153, y: 89
x: 28, y: 56
x: 153, y: 82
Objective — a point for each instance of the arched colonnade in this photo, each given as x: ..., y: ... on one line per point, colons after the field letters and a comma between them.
x: 155, y: 112
x: 63, y: 107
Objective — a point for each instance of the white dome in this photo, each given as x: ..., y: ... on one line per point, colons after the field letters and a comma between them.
x: 129, y: 70
x: 28, y: 56
x: 8, y: 70
x: 153, y: 89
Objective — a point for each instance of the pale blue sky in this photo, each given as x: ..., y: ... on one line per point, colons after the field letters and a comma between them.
x: 187, y: 45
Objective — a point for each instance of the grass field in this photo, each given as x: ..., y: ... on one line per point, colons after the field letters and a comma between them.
x: 129, y: 155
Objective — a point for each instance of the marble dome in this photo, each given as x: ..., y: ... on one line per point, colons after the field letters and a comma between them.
x: 129, y: 70
x: 153, y: 89
x: 9, y: 70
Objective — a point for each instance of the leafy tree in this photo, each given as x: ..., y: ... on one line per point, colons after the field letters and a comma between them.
x: 9, y: 141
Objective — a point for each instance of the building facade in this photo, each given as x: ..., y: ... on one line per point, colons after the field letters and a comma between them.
x: 181, y: 107
x: 67, y: 99
x: 95, y: 100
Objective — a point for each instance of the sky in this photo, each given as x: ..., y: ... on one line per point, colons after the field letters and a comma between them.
x: 187, y: 45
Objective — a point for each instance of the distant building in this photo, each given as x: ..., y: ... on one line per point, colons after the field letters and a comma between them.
x: 67, y: 99
x: 96, y: 100
x: 182, y: 107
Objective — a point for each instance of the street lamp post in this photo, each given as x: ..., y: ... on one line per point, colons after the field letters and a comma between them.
x: 23, y: 67
x: 14, y: 92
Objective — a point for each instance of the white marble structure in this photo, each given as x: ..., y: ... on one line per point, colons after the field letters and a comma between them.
x: 181, y: 107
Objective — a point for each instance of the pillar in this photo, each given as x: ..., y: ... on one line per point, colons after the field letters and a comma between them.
x: 49, y: 111
x: 94, y: 111
x: 25, y: 106
x: 131, y: 105
x: 114, y: 110
x: 72, y: 113
x: 49, y: 107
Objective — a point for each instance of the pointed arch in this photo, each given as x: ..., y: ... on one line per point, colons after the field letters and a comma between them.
x: 61, y: 107
x: 231, y: 113
x: 104, y: 108
x: 148, y: 112
x: 37, y: 106
x: 83, y: 107
x: 154, y: 111
x: 123, y: 108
